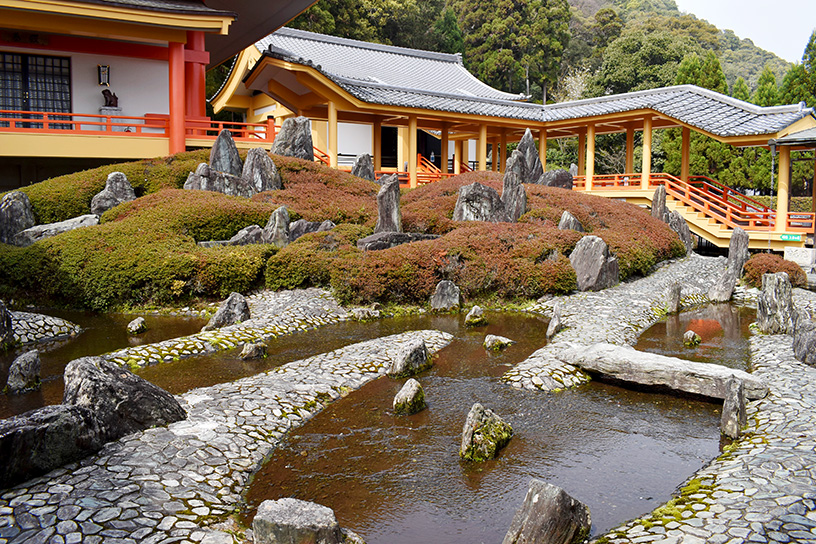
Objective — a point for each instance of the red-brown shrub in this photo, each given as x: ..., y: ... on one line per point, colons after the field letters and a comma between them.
x: 770, y: 263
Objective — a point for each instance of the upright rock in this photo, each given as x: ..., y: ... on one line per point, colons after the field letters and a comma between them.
x: 675, y: 292
x: 293, y: 521
x: 24, y: 373
x: 475, y: 317
x: 804, y: 339
x: 513, y: 196
x: 549, y: 515
x: 477, y: 202
x: 6, y: 328
x: 364, y: 167
x: 16, y: 215
x: 410, y: 399
x: 659, y: 204
x: 277, y: 228
x: 483, y: 434
x: 557, y: 178
x: 573, y: 169
x: 446, y: 297
x: 595, y: 267
x: 117, y: 190
x: 775, y: 311
x: 533, y: 170
x: 41, y: 440
x: 260, y: 173
x: 556, y: 324
x: 389, y: 218
x: 679, y: 225
x: 40, y: 232
x: 734, y: 416
x: 123, y: 402
x: 234, y: 309
x: 723, y: 288
x: 224, y: 156
x: 570, y: 222
x: 295, y: 139
x: 411, y: 359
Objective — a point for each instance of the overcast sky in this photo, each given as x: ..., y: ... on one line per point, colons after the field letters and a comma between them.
x: 780, y: 26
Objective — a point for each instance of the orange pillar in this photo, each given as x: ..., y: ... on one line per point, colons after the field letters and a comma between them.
x: 177, y: 96
x: 195, y: 68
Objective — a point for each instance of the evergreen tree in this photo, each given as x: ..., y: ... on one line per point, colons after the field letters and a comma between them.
x: 809, y: 62
x: 712, y: 75
x: 767, y: 93
x: 796, y: 86
x: 740, y: 90
x: 448, y: 34
x: 688, y: 73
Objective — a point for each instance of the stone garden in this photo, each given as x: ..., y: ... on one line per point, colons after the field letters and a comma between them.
x: 122, y: 460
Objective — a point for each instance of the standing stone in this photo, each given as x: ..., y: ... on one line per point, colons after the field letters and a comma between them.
x: 234, y: 309
x: 24, y: 373
x: 260, y: 173
x: 410, y: 399
x: 494, y: 342
x: 117, y: 190
x: 475, y: 317
x: 6, y: 328
x: 573, y: 169
x: 292, y: 521
x: 295, y: 139
x: 40, y: 232
x: 224, y: 156
x: 477, y: 202
x: 659, y: 204
x: 411, y: 359
x: 483, y: 434
x: 137, y: 326
x: 675, y: 295
x: 679, y: 225
x: 533, y: 170
x: 549, y: 516
x: 253, y: 351
x: 364, y: 167
x: 389, y: 218
x: 557, y: 178
x: 513, y: 196
x: 123, y: 402
x: 734, y: 416
x: 804, y: 339
x: 723, y: 288
x: 446, y: 297
x: 570, y: 222
x: 16, y: 215
x: 41, y: 440
x: 595, y: 268
x: 277, y: 228
x: 775, y: 311
x: 556, y: 324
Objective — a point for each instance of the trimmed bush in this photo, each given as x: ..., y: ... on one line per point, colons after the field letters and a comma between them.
x: 771, y: 263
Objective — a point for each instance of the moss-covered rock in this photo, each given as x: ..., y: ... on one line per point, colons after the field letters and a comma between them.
x: 410, y: 399
x: 483, y: 435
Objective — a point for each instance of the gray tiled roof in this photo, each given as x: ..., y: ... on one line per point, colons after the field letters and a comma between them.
x: 395, y: 76
x: 803, y: 137
x: 167, y: 6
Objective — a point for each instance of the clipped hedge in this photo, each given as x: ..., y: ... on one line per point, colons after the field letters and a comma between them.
x: 771, y: 263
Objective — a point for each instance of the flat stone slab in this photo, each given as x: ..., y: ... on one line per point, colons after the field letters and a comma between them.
x: 626, y: 364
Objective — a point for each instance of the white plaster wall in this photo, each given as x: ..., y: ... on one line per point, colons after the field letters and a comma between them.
x: 141, y: 85
x: 353, y: 139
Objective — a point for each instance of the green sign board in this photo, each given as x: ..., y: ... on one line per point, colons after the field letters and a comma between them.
x: 791, y: 237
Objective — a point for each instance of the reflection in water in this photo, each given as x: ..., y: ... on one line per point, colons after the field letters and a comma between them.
x: 100, y: 334
x: 400, y: 480
x: 722, y: 327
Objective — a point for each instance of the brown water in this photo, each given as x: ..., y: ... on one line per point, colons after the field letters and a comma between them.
x: 101, y: 333
x: 722, y: 327
x: 399, y: 480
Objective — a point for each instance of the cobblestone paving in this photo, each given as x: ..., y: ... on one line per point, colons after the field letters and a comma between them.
x: 30, y: 328
x: 166, y: 484
x: 617, y: 316
x: 272, y: 314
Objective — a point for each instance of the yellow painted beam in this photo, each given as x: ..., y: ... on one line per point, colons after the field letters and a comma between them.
x: 376, y: 140
x: 646, y: 164
x: 630, y: 149
x: 412, y: 151
x: 503, y: 145
x: 581, y: 153
x: 444, y: 145
x: 685, y: 154
x: 590, y: 156
x: 332, y: 135
x: 481, y: 150
x: 246, y: 59
x: 542, y: 147
x: 20, y: 144
x: 457, y: 157
x: 783, y: 189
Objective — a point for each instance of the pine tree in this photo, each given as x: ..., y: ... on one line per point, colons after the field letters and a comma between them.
x: 767, y: 93
x: 740, y: 90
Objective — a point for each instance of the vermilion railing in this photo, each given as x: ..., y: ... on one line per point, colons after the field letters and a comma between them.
x: 77, y: 123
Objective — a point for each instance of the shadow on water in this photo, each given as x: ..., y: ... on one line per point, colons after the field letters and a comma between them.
x: 100, y: 334
x: 400, y: 480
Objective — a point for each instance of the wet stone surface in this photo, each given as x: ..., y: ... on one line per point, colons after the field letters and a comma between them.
x: 29, y: 327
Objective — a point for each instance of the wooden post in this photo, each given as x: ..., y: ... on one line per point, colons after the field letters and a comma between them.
x: 685, y: 154
x: 443, y: 156
x: 542, y: 147
x: 332, y: 134
x: 581, y: 153
x: 457, y: 157
x: 195, y: 74
x: 783, y: 189
x: 481, y: 151
x: 412, y: 150
x: 377, y: 143
x: 494, y: 157
x: 646, y: 168
x: 503, y: 150
x: 176, y: 128
x: 630, y: 150
x: 590, y: 156
x: 466, y: 152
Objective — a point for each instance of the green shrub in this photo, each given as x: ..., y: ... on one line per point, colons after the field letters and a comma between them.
x: 771, y: 263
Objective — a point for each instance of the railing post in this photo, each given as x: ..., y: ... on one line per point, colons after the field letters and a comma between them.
x: 270, y: 129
